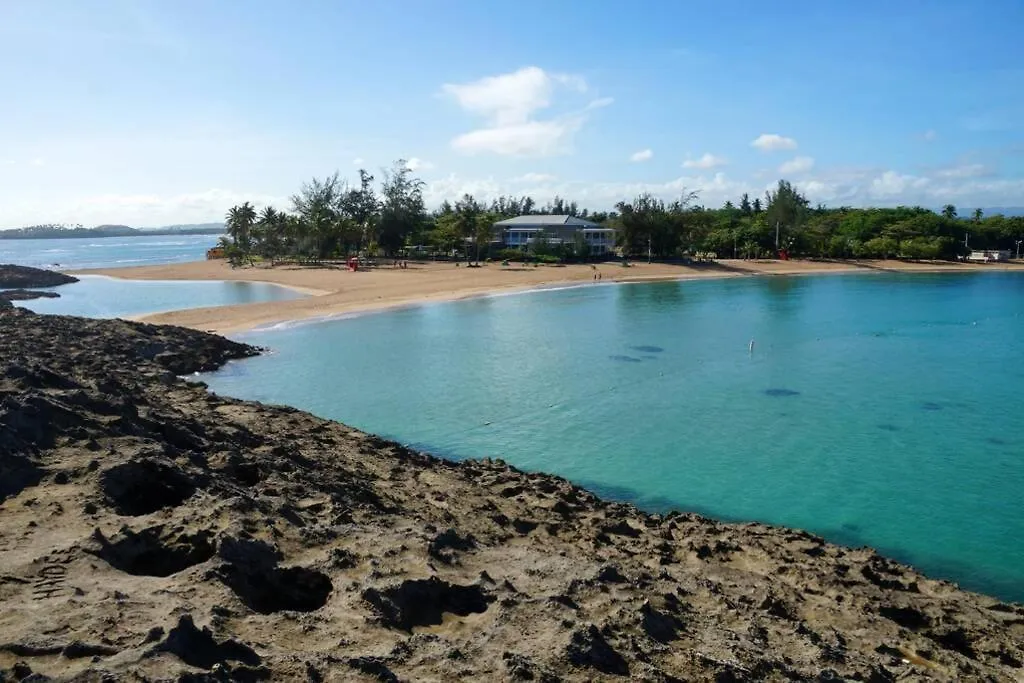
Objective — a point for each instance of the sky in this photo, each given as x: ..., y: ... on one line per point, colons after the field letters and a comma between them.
x: 148, y: 112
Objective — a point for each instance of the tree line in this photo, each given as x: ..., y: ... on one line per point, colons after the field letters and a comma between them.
x: 330, y: 219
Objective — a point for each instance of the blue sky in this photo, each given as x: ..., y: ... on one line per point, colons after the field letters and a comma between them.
x: 149, y: 113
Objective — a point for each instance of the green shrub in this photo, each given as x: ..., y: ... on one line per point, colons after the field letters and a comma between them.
x: 510, y: 255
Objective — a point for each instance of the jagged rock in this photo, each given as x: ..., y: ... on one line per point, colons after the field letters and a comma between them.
x: 588, y: 648
x: 422, y: 602
x: 200, y: 649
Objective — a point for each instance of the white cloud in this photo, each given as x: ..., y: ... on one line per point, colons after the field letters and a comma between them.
x: 38, y: 162
x: 535, y: 178
x: 509, y: 104
x: 642, y: 155
x: 797, y: 165
x: 707, y: 161
x: 529, y: 139
x: 893, y: 183
x: 929, y: 135
x: 772, y: 142
x: 964, y: 171
x: 357, y: 161
x: 417, y: 164
x: 509, y: 98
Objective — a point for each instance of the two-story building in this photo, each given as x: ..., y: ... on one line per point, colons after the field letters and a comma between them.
x: 522, y: 231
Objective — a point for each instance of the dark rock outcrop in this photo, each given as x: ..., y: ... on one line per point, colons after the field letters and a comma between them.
x: 25, y: 277
x: 27, y: 294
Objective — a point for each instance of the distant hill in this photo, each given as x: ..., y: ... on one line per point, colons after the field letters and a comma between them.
x: 53, y: 231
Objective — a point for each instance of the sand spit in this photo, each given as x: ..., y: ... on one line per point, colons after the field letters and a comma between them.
x: 150, y: 530
x: 337, y: 291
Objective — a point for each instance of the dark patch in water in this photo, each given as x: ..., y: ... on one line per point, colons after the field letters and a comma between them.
x: 650, y: 358
x: 888, y: 428
x: 625, y: 359
x: 781, y: 392
x: 647, y: 349
x: 930, y: 405
x: 996, y: 441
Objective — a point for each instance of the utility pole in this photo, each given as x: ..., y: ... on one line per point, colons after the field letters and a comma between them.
x: 776, y: 238
x: 648, y: 248
x: 1018, y: 249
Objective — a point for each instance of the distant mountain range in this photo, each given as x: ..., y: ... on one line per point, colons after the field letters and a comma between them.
x: 37, y: 232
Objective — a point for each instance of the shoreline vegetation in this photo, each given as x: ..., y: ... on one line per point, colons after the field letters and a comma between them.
x: 329, y: 219
x: 336, y: 291
x: 151, y: 529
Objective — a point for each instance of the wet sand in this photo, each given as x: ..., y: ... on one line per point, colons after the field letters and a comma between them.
x: 336, y: 291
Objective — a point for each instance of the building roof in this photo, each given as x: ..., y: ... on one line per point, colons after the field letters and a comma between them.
x: 545, y: 221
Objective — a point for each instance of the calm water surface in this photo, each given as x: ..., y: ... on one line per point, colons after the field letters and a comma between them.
x: 96, y: 296
x: 881, y: 409
x: 106, y: 252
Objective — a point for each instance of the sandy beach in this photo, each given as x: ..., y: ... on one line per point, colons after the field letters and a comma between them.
x: 336, y: 291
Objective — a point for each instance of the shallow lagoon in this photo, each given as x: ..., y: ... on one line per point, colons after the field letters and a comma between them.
x: 96, y: 296
x: 877, y: 409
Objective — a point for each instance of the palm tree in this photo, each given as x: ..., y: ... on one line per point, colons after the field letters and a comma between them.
x: 239, y: 223
x: 271, y: 225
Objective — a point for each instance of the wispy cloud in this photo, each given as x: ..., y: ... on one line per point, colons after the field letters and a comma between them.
x: 417, y: 164
x: 773, y: 142
x: 510, y: 102
x: 929, y: 135
x: 964, y: 171
x: 535, y: 178
x: 642, y: 155
x: 797, y: 165
x: 357, y: 161
x: 705, y: 162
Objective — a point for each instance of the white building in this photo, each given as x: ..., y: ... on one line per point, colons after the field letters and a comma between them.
x: 522, y: 231
x: 989, y: 255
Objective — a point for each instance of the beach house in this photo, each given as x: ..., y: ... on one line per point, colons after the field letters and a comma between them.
x: 989, y: 255
x: 522, y: 231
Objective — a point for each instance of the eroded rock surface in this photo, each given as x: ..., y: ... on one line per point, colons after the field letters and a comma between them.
x: 150, y: 530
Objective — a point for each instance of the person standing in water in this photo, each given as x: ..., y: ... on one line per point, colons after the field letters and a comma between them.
x: 750, y: 347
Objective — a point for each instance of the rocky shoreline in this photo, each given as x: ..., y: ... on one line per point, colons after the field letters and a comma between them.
x: 25, y: 277
x: 150, y: 530
x: 16, y: 283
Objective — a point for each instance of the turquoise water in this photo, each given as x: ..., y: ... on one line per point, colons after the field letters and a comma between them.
x: 880, y: 410
x: 106, y: 252
x: 96, y: 296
